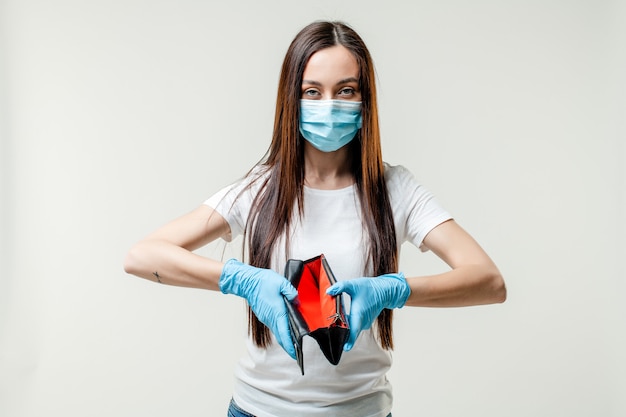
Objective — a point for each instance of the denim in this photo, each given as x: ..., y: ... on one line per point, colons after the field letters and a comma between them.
x: 235, y: 411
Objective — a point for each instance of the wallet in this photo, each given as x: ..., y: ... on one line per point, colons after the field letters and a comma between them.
x: 314, y: 312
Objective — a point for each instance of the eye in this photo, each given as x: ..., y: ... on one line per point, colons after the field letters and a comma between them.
x: 310, y: 93
x: 347, y: 92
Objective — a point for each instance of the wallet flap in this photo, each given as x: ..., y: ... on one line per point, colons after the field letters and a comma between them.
x: 297, y: 326
x: 331, y: 341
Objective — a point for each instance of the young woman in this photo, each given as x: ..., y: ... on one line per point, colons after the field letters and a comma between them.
x: 322, y: 188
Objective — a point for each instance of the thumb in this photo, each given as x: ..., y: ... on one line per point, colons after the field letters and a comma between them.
x: 340, y: 287
x: 288, y: 290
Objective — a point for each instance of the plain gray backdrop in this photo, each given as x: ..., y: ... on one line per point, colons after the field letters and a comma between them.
x: 120, y: 115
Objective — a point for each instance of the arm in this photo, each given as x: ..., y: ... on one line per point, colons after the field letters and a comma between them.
x: 473, y: 280
x: 167, y: 256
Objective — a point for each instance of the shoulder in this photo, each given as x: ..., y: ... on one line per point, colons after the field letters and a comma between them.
x: 403, y: 187
x: 253, y: 179
x: 398, y: 176
x: 256, y: 173
x: 246, y: 186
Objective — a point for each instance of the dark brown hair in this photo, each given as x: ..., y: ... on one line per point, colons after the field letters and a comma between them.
x: 282, y: 189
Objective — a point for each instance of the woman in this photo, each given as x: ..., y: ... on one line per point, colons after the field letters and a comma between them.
x: 323, y: 188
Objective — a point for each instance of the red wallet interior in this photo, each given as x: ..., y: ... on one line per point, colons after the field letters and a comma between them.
x: 317, y: 308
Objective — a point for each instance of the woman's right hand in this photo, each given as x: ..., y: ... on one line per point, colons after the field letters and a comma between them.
x: 264, y: 290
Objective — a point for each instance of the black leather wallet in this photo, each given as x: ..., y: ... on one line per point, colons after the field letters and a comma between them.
x: 314, y: 312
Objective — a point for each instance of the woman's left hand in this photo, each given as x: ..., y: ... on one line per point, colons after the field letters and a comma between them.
x: 369, y: 296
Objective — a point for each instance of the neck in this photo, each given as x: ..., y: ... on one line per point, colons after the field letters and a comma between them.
x: 327, y: 170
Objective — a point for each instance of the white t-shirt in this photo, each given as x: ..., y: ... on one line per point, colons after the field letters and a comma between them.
x: 268, y: 382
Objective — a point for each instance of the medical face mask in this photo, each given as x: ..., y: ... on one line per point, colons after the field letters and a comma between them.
x: 329, y: 124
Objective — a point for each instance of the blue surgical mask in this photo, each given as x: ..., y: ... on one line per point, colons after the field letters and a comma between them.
x: 329, y: 124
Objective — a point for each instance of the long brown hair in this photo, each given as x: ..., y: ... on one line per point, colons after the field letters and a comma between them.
x: 282, y: 189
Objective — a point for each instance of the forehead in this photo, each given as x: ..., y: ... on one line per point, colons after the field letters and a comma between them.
x: 336, y: 61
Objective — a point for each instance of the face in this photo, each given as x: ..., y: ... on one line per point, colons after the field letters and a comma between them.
x: 331, y: 74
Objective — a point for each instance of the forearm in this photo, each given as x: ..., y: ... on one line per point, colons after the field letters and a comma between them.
x: 463, y: 286
x: 167, y: 263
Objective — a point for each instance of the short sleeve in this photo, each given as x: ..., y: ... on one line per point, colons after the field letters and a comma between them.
x: 222, y: 202
x: 233, y: 202
x: 416, y: 211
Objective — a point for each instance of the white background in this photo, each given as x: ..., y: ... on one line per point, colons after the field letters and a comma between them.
x: 119, y: 115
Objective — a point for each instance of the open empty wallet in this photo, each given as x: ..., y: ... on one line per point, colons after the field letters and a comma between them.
x: 314, y: 312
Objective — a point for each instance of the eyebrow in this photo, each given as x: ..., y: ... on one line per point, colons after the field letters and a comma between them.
x: 344, y: 81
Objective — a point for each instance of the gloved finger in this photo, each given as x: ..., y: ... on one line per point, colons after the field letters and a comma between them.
x: 288, y: 290
x: 354, y: 333
x: 355, y: 321
x: 283, y: 336
x: 340, y: 287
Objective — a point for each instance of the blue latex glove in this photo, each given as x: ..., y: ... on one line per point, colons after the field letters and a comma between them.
x: 263, y: 289
x: 369, y: 296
